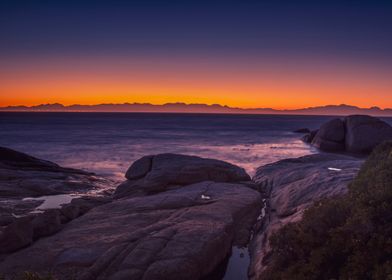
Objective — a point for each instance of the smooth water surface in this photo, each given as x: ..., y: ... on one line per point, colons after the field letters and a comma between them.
x: 51, y: 201
x: 107, y: 143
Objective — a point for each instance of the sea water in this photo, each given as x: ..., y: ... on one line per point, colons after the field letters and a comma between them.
x: 108, y: 143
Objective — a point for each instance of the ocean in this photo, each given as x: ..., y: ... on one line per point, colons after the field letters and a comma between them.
x: 108, y: 143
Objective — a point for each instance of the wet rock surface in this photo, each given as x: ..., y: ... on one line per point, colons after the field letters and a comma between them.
x: 24, y: 176
x: 175, y: 217
x: 178, y: 234
x: 182, y: 230
x: 292, y: 185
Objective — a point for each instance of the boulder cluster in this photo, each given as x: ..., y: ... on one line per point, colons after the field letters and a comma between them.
x: 357, y: 134
x: 22, y: 176
x: 175, y: 217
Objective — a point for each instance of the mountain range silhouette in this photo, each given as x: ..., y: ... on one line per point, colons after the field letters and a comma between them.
x: 180, y: 107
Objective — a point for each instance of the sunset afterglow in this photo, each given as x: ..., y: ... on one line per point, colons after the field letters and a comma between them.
x: 240, y: 64
x: 195, y: 139
x: 236, y: 82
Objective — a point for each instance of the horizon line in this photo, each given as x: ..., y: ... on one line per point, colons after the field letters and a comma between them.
x: 193, y: 104
x: 198, y: 108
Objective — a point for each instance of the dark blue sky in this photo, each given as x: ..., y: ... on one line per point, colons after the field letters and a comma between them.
x: 347, y: 28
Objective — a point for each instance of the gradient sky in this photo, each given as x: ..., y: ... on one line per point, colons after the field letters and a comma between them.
x: 280, y: 54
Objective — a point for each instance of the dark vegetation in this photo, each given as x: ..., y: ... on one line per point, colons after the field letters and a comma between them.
x: 30, y: 276
x: 349, y: 237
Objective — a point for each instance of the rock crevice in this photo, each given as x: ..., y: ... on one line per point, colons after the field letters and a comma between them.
x: 176, y: 217
x: 291, y: 186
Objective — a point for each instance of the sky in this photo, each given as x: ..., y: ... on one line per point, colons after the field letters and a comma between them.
x: 251, y: 54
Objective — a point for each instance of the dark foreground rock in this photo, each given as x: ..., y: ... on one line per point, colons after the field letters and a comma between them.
x: 184, y: 232
x: 18, y: 234
x: 353, y: 134
x: 24, y: 176
x: 157, y: 173
x: 179, y: 234
x: 291, y: 186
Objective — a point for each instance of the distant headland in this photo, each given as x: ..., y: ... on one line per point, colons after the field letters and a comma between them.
x: 179, y: 107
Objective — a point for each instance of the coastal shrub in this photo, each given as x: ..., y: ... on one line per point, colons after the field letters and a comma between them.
x: 346, y: 237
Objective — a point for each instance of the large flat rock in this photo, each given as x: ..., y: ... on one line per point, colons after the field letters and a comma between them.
x: 183, y: 233
x: 291, y: 186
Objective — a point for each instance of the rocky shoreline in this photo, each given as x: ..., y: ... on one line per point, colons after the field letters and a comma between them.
x: 291, y: 186
x: 174, y: 217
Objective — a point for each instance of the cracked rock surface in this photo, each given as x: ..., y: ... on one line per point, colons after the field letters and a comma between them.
x: 22, y: 175
x: 291, y: 186
x: 183, y: 230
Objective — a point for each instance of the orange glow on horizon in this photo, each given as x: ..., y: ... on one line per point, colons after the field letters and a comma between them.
x: 245, y: 84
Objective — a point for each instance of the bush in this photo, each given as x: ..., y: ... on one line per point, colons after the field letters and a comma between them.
x: 349, y: 237
x: 36, y: 276
x: 27, y: 275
